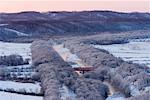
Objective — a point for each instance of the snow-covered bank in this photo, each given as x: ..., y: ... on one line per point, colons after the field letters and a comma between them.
x: 19, y: 87
x: 13, y: 96
x: 3, y: 24
x: 137, y: 51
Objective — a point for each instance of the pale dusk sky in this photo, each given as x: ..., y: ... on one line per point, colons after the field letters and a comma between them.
x: 74, y: 5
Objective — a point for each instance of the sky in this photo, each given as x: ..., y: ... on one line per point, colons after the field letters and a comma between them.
x: 74, y: 5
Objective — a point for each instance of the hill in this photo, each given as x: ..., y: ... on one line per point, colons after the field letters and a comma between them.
x: 35, y: 24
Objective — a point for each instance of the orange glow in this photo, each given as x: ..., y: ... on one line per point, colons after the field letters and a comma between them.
x: 74, y: 5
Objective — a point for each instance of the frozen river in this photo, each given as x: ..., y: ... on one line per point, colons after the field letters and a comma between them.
x: 137, y: 51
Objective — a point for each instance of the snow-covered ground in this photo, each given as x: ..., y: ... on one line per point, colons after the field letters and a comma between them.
x: 20, y: 66
x: 22, y: 49
x: 66, y: 94
x: 3, y: 24
x: 72, y: 59
x: 137, y: 51
x: 13, y: 96
x: 17, y: 86
x: 20, y: 71
x: 116, y: 96
x: 17, y: 32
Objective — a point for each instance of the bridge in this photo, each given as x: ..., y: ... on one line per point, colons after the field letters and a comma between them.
x: 83, y: 69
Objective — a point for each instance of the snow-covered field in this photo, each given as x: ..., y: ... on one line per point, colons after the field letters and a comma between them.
x: 16, y: 86
x: 137, y: 51
x: 22, y: 49
x: 13, y: 96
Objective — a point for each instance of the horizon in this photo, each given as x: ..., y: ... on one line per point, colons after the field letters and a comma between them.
x: 126, y: 6
x: 71, y: 11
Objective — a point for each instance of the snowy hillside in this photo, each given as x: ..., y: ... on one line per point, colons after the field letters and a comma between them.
x: 16, y: 32
x: 35, y: 24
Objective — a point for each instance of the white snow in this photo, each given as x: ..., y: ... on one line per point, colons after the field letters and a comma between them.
x: 68, y: 56
x: 140, y: 40
x: 66, y: 94
x: 17, y: 32
x: 134, y: 91
x: 28, y: 87
x: 21, y: 71
x: 137, y: 51
x: 19, y: 66
x: 22, y: 49
x: 116, y: 96
x: 3, y: 24
x: 12, y: 96
x: 147, y: 89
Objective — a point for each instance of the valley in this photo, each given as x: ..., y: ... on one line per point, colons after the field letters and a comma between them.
x: 87, y: 55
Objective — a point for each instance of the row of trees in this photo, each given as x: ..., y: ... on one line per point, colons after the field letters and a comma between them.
x: 55, y: 72
x: 120, y: 74
x: 13, y: 60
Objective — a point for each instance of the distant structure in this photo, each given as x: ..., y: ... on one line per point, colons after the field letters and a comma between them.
x: 83, y: 69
